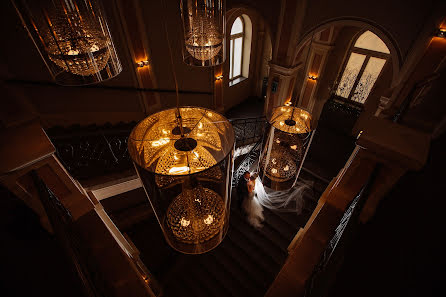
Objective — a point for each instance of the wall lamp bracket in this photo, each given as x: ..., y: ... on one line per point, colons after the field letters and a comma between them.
x: 220, y: 77
x: 312, y: 77
x: 441, y: 33
x: 142, y: 63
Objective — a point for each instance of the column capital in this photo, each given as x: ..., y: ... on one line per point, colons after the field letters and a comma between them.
x: 283, y: 70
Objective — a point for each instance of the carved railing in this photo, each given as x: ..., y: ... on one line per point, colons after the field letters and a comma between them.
x: 248, y: 130
x: 92, y: 151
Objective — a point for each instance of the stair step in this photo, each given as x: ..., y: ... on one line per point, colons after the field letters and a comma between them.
x: 262, y: 260
x: 245, y: 278
x: 267, y: 246
x: 227, y: 275
x: 201, y: 276
x: 275, y: 220
x: 247, y: 263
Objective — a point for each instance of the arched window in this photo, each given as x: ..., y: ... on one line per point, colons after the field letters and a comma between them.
x: 240, y: 49
x: 367, y: 58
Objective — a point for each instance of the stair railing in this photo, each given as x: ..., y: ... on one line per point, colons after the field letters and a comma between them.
x: 322, y: 277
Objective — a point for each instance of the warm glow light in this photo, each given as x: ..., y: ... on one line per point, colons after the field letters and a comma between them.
x: 293, y: 147
x: 200, y: 125
x: 179, y: 170
x: 274, y: 170
x: 160, y: 142
x: 142, y: 63
x: 312, y: 77
x: 219, y: 77
x: 286, y: 168
x: 288, y: 103
x: 441, y: 33
x: 209, y: 220
x: 184, y: 222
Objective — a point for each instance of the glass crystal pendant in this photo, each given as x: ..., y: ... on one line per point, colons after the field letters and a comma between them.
x: 184, y: 158
x: 73, y: 39
x: 285, y: 148
x: 204, y: 32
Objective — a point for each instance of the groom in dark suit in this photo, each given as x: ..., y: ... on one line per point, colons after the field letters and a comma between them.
x: 242, y: 188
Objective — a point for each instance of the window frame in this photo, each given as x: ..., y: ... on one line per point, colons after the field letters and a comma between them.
x: 232, y: 38
x: 368, y: 54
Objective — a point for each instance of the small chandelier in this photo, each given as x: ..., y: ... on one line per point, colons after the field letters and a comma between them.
x: 183, y: 157
x: 204, y: 32
x: 73, y: 39
x: 285, y: 147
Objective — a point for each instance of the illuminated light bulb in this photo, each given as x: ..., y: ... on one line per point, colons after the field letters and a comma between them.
x: 277, y: 140
x: 196, y: 154
x: 184, y: 222
x: 293, y: 147
x: 164, y: 131
x: 286, y: 168
x: 274, y: 170
x: 200, y: 125
x: 282, y: 109
x: 175, y: 157
x: 281, y: 123
x: 209, y: 220
x: 160, y: 142
x: 197, y: 200
x: 179, y: 170
x: 274, y: 161
x: 210, y: 114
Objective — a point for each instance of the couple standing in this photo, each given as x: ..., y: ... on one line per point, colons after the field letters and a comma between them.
x: 248, y: 201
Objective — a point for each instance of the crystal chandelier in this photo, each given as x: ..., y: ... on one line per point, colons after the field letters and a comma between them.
x: 72, y: 38
x: 204, y: 32
x: 285, y: 147
x: 184, y: 159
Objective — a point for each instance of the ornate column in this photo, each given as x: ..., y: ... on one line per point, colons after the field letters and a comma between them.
x: 283, y: 70
x: 280, y: 85
x: 316, y: 65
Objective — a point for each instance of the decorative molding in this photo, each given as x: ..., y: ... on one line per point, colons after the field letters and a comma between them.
x: 284, y: 71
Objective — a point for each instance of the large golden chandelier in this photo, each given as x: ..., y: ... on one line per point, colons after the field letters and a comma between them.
x: 184, y: 159
x: 204, y: 32
x: 75, y: 43
x: 204, y: 41
x: 285, y: 148
x: 73, y: 39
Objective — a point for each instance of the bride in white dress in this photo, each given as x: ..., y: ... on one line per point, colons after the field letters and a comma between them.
x: 251, y: 205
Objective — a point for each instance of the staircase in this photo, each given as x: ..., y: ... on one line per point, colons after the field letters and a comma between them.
x: 244, y: 264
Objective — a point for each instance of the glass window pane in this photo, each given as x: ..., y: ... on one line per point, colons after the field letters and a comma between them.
x: 237, y: 56
x: 370, y: 41
x: 368, y: 79
x: 237, y: 27
x: 351, y: 71
x: 231, y: 59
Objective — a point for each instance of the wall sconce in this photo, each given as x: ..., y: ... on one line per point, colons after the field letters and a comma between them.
x: 312, y: 77
x: 288, y: 103
x: 142, y: 63
x: 441, y: 33
x: 220, y: 77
